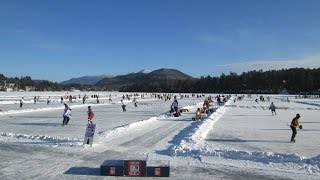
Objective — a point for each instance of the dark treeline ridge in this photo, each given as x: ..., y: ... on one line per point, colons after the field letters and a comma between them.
x: 26, y: 83
x: 293, y: 80
x: 23, y: 83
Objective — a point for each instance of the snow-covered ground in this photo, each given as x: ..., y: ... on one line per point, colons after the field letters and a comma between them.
x: 241, y: 140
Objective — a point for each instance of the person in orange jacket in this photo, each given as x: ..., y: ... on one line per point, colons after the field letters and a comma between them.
x: 294, y: 125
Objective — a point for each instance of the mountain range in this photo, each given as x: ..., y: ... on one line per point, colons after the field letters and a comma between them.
x: 143, y: 76
x: 87, y: 80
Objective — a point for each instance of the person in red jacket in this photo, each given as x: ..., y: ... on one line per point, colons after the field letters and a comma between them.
x: 90, y: 115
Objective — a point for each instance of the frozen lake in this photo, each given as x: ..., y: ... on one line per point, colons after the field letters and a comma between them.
x: 241, y: 140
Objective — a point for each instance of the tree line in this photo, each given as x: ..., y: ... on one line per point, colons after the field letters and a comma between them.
x: 293, y: 80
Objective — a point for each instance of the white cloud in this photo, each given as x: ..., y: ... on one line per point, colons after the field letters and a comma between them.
x: 309, y: 62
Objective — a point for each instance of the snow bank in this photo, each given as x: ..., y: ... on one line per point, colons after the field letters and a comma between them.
x: 42, y: 139
x: 124, y: 128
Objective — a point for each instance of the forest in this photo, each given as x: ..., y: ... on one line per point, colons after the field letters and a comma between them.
x: 293, y: 81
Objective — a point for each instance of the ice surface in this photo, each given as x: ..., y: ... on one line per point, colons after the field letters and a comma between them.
x: 241, y: 140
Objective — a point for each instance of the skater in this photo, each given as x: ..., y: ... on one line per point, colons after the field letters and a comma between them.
x: 66, y: 115
x: 273, y: 108
x: 97, y: 99
x: 123, y: 106
x: 35, y: 99
x: 48, y: 100
x: 135, y: 102
x: 205, y: 106
x: 175, y: 104
x: 21, y: 102
x: 294, y: 125
x: 110, y: 100
x: 84, y: 99
x: 199, y: 114
x: 174, y: 108
x: 90, y: 115
x: 61, y: 99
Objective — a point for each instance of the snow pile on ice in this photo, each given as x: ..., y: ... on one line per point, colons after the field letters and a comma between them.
x: 125, y: 128
x: 42, y: 139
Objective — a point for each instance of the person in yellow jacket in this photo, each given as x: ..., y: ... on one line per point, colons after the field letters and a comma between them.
x: 294, y: 125
x: 199, y: 114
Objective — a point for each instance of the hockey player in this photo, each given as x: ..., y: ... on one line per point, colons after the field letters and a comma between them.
x: 174, y: 108
x: 21, y: 102
x: 123, y: 106
x: 84, y: 98
x: 110, y: 100
x: 135, y: 102
x: 199, y: 114
x: 66, y: 115
x: 48, y: 100
x: 294, y: 125
x: 90, y: 115
x: 273, y: 108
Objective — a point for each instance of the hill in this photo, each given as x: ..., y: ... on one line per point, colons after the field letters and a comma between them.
x: 88, y: 80
x: 158, y: 76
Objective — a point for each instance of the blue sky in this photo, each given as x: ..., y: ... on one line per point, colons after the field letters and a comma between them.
x: 58, y: 40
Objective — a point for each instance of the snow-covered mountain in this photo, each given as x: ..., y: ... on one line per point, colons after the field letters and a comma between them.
x: 145, y: 71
